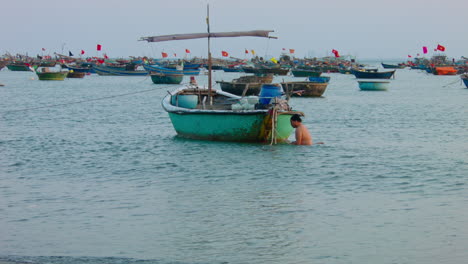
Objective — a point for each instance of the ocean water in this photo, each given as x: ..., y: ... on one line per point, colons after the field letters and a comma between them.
x: 91, y: 171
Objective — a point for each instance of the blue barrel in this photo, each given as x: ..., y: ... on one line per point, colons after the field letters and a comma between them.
x: 268, y: 92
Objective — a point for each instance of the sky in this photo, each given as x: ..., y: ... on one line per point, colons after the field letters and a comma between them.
x: 365, y: 29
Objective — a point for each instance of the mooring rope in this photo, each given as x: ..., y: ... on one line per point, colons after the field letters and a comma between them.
x: 85, y: 101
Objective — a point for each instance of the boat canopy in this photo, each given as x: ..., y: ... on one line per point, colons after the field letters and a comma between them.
x: 253, y: 33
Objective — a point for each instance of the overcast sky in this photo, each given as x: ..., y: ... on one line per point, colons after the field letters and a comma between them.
x: 362, y: 28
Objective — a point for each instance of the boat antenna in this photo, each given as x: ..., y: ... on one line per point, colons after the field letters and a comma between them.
x: 209, y: 53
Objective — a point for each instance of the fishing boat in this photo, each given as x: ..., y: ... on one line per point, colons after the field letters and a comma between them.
x: 161, y: 78
x: 44, y: 74
x: 305, y: 88
x: 164, y: 70
x: 464, y: 78
x: 305, y: 73
x: 74, y: 74
x: 108, y: 71
x: 321, y: 79
x: 445, y: 71
x: 392, y: 66
x: 209, y: 114
x: 372, y: 74
x: 373, y: 85
x: 84, y: 67
x: 233, y: 69
x: 245, y: 85
x: 19, y: 67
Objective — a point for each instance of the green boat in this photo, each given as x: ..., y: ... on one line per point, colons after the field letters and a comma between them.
x: 19, y: 67
x: 228, y: 118
x: 305, y: 73
x: 46, y: 75
x: 161, y: 78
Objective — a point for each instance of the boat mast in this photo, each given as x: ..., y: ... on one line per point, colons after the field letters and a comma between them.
x: 209, y: 53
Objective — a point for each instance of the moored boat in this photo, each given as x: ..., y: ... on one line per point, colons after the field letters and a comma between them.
x: 373, y: 85
x: 19, y: 67
x: 108, y: 71
x: 373, y: 74
x: 464, y: 78
x: 164, y: 70
x: 245, y: 85
x: 392, y: 66
x: 305, y: 73
x: 305, y: 88
x: 445, y: 71
x: 74, y: 74
x: 44, y: 74
x: 321, y: 79
x: 161, y: 78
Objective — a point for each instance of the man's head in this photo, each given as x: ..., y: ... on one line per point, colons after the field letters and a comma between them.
x: 295, y: 120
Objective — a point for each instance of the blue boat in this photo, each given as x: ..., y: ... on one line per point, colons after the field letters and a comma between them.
x: 392, y: 66
x: 321, y: 79
x: 232, y: 69
x: 372, y: 74
x: 103, y: 70
x: 159, y: 69
x: 372, y: 85
x: 82, y: 68
x: 464, y: 78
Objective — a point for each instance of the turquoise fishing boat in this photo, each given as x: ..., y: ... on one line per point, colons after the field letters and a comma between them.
x: 110, y: 71
x: 161, y: 78
x: 208, y: 114
x: 373, y: 85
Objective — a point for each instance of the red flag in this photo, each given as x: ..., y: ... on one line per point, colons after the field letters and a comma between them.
x: 417, y: 55
x: 43, y: 49
x: 425, y: 50
x: 246, y: 51
x: 175, y: 55
x: 98, y: 47
x: 337, y: 54
x: 82, y: 52
x: 409, y: 56
x: 164, y: 54
x: 224, y: 53
x: 187, y: 51
x: 284, y: 49
x: 105, y: 56
x: 440, y: 47
x: 291, y: 51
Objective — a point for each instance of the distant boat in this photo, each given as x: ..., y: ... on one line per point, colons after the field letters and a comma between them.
x: 321, y: 79
x: 164, y: 70
x: 392, y: 66
x: 161, y: 78
x: 445, y: 71
x: 305, y: 73
x: 245, y: 85
x: 373, y: 85
x: 464, y: 78
x: 305, y: 88
x: 86, y: 68
x: 232, y: 69
x: 107, y: 71
x: 44, y: 74
x: 19, y: 67
x: 73, y: 74
x: 373, y: 74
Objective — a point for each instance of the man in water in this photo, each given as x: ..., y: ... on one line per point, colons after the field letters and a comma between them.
x: 303, y: 136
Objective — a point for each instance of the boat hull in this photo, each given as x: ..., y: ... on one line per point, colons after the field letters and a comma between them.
x: 225, y: 126
x: 52, y: 76
x: 107, y: 71
x: 163, y: 70
x: 373, y: 75
x: 465, y: 81
x: 73, y: 74
x: 166, y: 78
x: 391, y: 66
x: 374, y: 85
x: 13, y: 67
x: 305, y: 89
x: 305, y: 73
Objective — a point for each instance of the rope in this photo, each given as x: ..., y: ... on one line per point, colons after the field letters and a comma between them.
x: 83, y: 101
x: 452, y: 83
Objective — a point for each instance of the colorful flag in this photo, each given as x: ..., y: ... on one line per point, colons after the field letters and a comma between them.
x: 98, y: 47
x: 175, y: 55
x: 43, y: 49
x: 337, y: 54
x: 274, y: 60
x: 187, y: 51
x: 105, y: 56
x: 246, y: 51
x: 284, y: 49
x: 409, y: 56
x: 70, y: 54
x: 253, y: 52
x: 440, y: 47
x: 224, y: 53
x: 291, y: 51
x: 425, y: 50
x: 164, y: 54
x: 82, y: 52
